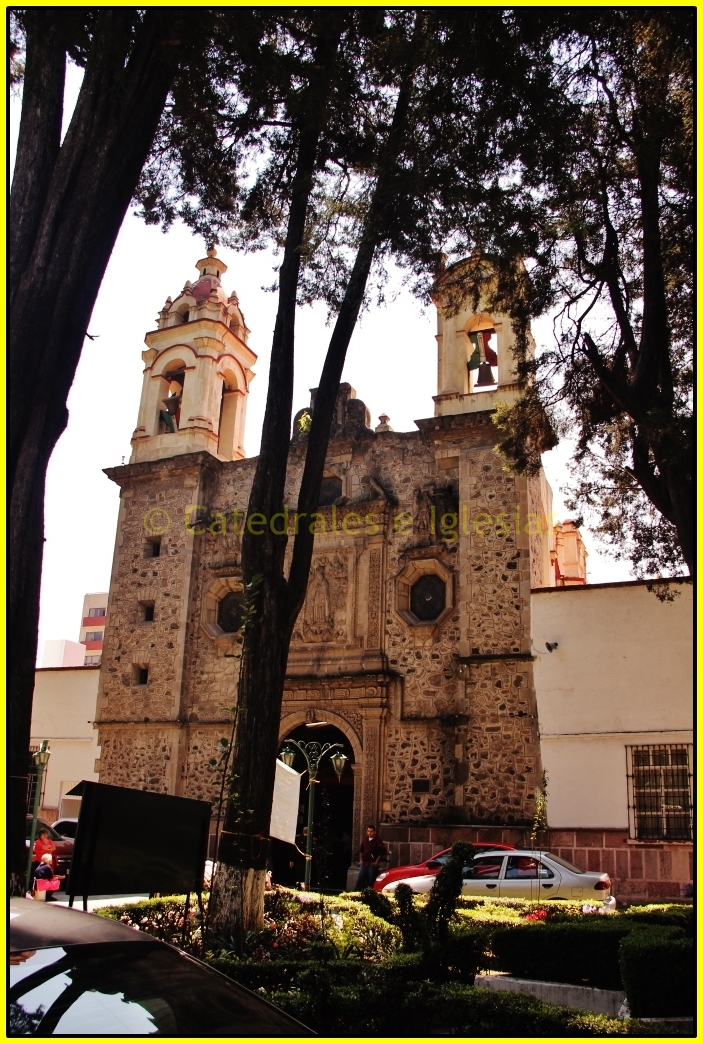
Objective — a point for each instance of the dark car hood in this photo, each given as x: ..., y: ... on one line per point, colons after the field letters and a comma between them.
x: 35, y: 925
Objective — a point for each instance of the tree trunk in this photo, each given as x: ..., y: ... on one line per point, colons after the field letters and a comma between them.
x: 244, y: 890
x: 266, y: 643
x: 63, y: 232
x: 244, y: 840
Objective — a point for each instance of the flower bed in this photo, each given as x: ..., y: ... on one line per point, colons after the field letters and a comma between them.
x: 336, y: 965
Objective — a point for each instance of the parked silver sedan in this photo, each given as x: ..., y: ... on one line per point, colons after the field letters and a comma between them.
x: 521, y: 874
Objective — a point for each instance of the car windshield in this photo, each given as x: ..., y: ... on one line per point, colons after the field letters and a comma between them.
x: 563, y: 862
x: 132, y: 990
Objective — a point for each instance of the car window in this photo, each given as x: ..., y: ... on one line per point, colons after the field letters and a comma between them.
x: 526, y: 867
x: 484, y: 867
x: 131, y: 990
x: 440, y: 858
x: 66, y: 828
x: 567, y: 866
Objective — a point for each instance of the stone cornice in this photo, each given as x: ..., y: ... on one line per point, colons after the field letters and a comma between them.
x: 210, y: 329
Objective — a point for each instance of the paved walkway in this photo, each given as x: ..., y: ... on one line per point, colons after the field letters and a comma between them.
x: 96, y: 901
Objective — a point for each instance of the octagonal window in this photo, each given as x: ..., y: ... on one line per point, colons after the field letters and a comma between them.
x: 428, y: 597
x: 230, y: 612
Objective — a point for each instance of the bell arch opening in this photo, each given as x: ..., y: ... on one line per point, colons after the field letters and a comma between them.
x: 482, y: 353
x: 228, y: 421
x: 171, y: 385
x: 333, y: 843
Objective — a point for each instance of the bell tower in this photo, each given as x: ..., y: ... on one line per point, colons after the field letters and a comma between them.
x: 197, y: 373
x: 475, y: 351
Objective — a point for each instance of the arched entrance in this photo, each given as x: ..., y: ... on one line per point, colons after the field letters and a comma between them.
x: 332, y: 827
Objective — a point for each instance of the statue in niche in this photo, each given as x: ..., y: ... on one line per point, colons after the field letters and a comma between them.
x: 422, y: 520
x: 324, y: 615
x: 227, y: 551
x: 320, y: 598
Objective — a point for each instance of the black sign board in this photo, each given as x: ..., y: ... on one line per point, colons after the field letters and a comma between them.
x: 132, y: 841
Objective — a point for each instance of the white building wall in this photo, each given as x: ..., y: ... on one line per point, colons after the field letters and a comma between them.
x: 61, y: 652
x: 622, y: 674
x: 63, y: 711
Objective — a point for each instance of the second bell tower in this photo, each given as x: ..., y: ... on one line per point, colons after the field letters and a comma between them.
x: 197, y: 373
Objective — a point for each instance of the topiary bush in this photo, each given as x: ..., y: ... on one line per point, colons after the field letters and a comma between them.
x: 659, y: 974
x: 583, y: 953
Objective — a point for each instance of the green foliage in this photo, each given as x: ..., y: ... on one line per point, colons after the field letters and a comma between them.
x: 665, y: 913
x: 317, y: 946
x: 426, y: 1009
x: 164, y: 919
x: 301, y: 974
x: 379, y: 904
x: 539, y: 821
x: 410, y: 920
x: 426, y: 926
x: 583, y: 953
x: 304, y: 424
x: 446, y: 890
x: 618, y: 378
x: 659, y: 973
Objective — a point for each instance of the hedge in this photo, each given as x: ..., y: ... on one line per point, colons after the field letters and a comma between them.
x: 659, y: 973
x: 579, y: 952
x: 458, y: 959
x: 669, y: 914
x: 162, y: 918
x: 449, y: 1010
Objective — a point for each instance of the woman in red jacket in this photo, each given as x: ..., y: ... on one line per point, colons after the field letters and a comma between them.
x: 44, y: 846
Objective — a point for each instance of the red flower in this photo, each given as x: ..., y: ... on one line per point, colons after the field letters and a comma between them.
x: 537, y: 915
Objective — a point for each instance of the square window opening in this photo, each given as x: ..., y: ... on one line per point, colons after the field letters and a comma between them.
x: 140, y: 675
x: 146, y: 612
x: 153, y: 548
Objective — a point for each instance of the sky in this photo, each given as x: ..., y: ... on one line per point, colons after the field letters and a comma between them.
x: 392, y: 364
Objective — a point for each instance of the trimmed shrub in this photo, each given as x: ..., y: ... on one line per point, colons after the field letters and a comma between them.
x: 583, y: 953
x: 320, y: 978
x: 449, y: 1010
x: 163, y: 918
x: 659, y: 974
x: 674, y: 914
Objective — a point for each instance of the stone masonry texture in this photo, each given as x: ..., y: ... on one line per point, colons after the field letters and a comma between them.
x: 442, y: 713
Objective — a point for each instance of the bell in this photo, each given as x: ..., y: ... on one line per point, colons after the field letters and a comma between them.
x: 485, y: 375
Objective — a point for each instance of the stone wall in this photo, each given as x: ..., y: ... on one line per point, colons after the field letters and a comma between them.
x: 448, y: 702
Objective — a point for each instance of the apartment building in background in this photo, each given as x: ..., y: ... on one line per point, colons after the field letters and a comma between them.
x: 92, y: 629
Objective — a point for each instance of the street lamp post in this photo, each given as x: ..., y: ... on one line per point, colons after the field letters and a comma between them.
x: 41, y: 760
x: 313, y: 753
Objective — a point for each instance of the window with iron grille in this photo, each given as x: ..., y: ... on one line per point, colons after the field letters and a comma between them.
x: 659, y: 791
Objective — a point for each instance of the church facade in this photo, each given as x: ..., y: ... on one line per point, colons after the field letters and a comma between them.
x: 414, y: 640
x: 414, y: 646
